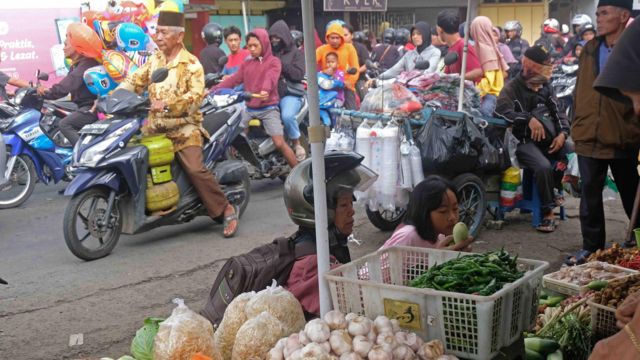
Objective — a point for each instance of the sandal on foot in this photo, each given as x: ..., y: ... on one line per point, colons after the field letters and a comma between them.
x: 547, y: 226
x: 228, y: 220
x: 301, y: 154
x: 577, y: 258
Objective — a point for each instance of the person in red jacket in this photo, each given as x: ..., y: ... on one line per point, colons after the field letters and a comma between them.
x: 260, y: 74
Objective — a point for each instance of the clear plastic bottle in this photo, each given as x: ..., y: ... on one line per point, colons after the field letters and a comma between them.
x: 405, y: 165
x: 417, y: 174
x: 389, y: 166
x: 376, y: 163
x: 363, y: 147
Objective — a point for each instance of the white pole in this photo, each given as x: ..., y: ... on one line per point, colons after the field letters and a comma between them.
x: 316, y: 138
x: 463, y: 71
x: 244, y: 17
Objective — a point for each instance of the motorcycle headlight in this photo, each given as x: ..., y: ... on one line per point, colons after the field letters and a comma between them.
x: 18, y: 98
x: 92, y: 155
x: 5, y: 124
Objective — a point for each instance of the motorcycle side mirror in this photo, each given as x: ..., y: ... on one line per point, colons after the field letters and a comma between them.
x: 159, y: 75
x: 370, y: 64
x: 43, y: 76
x: 422, y: 64
x: 223, y: 61
x: 451, y: 58
x: 352, y: 71
x: 210, y: 80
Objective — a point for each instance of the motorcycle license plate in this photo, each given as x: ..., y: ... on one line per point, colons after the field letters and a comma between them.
x: 94, y: 129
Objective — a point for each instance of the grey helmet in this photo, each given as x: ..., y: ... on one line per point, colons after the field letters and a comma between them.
x: 581, y: 20
x: 513, y: 25
x: 344, y: 173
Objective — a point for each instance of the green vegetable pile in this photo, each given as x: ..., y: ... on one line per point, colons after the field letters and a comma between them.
x: 481, y: 274
x: 142, y: 344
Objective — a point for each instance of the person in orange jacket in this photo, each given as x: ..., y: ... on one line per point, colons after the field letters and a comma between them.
x: 347, y: 58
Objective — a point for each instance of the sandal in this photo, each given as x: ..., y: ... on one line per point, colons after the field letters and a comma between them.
x: 547, y: 226
x: 301, y: 154
x: 577, y: 258
x: 228, y: 220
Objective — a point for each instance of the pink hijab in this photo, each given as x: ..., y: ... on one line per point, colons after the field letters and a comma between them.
x: 486, y: 47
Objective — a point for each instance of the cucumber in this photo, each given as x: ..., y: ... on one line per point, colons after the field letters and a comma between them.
x: 557, y: 355
x: 532, y: 355
x: 597, y: 285
x: 542, y: 346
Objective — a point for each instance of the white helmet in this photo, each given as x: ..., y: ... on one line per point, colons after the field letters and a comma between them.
x: 552, y: 23
x: 513, y: 25
x: 581, y: 19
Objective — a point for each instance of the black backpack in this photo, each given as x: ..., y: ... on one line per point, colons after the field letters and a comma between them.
x: 254, y: 271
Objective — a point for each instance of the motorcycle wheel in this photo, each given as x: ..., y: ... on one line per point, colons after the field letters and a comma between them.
x: 89, y: 220
x: 22, y: 175
x: 246, y: 184
x: 386, y: 220
x: 472, y: 201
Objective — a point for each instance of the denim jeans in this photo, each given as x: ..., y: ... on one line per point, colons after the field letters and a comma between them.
x: 289, y: 108
x: 488, y: 105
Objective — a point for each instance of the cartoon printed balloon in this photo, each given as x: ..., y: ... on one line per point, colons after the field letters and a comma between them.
x: 89, y: 16
x: 139, y: 57
x: 171, y: 6
x: 106, y: 31
x: 117, y: 64
x: 131, y: 37
x: 84, y: 40
x: 98, y: 81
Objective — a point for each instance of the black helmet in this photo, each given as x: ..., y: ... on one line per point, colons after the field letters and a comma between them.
x: 298, y: 37
x: 586, y: 28
x: 212, y: 33
x: 389, y: 36
x: 344, y: 173
x: 360, y: 36
x: 402, y: 36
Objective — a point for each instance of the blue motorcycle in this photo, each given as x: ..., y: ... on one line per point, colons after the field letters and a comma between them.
x: 109, y: 189
x: 29, y: 151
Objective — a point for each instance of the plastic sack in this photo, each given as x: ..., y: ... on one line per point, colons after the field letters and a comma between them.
x: 257, y: 336
x: 446, y: 145
x: 376, y: 163
x: 280, y: 303
x: 394, y: 98
x: 406, y: 178
x: 234, y: 317
x: 363, y: 147
x: 417, y: 172
x: 511, y: 145
x: 489, y: 156
x: 184, y: 334
x: 389, y: 166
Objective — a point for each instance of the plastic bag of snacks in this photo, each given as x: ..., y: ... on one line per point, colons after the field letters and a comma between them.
x: 234, y: 317
x: 257, y: 336
x: 280, y: 303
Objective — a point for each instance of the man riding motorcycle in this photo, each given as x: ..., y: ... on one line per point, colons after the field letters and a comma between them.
x: 175, y: 111
x: 74, y: 84
x: 210, y: 55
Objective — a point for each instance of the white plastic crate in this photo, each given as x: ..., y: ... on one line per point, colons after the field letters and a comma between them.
x: 570, y: 289
x: 603, y: 320
x: 470, y: 326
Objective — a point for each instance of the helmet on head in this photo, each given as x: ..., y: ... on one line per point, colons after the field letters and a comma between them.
x: 513, y: 25
x: 580, y: 20
x: 298, y: 37
x: 389, y: 36
x: 565, y: 29
x: 344, y: 174
x: 212, y: 33
x: 402, y: 36
x: 131, y: 37
x: 360, y: 36
x: 551, y: 25
x: 586, y: 28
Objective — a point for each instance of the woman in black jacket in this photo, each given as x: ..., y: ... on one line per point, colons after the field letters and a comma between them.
x: 290, y: 86
x: 528, y: 101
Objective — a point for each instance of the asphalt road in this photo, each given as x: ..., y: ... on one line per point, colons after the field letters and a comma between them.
x: 52, y: 295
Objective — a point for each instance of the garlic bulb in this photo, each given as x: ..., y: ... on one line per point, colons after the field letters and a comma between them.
x: 401, y: 337
x: 296, y: 355
x: 326, y: 346
x: 447, y: 357
x: 351, y: 356
x: 314, y: 351
x: 361, y: 345
x: 395, y: 325
x: 360, y: 325
x: 431, y: 350
x: 403, y: 352
x: 382, y: 323
x: 302, y: 338
x: 291, y: 344
x: 387, y: 340
x: 372, y: 336
x: 414, y: 341
x: 275, y: 354
x: 378, y: 353
x: 350, y: 316
x: 317, y: 331
x: 336, y: 320
x: 340, y: 341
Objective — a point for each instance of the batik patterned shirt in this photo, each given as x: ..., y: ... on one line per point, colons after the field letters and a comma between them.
x: 182, y: 92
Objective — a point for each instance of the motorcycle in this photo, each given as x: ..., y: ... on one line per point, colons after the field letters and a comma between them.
x: 563, y: 80
x: 108, y: 193
x: 29, y: 151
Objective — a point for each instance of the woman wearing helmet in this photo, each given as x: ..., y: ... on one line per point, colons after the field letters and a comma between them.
x: 577, y: 24
x: 386, y: 54
x: 344, y: 174
x: 210, y: 55
x: 518, y: 45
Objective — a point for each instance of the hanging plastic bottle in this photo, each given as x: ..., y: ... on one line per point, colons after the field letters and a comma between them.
x: 332, y: 142
x: 405, y: 165
x: 376, y: 163
x: 389, y: 167
x: 363, y: 147
x: 417, y: 174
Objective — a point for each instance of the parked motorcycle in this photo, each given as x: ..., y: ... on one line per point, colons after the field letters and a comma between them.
x: 109, y: 190
x: 563, y: 80
x: 29, y: 151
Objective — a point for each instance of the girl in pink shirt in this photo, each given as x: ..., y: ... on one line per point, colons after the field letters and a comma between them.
x: 431, y: 214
